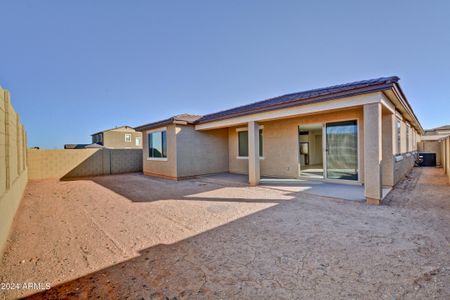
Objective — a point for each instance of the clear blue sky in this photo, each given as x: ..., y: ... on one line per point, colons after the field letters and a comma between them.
x: 76, y: 67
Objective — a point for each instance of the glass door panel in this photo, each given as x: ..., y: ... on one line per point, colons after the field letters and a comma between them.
x: 342, y: 150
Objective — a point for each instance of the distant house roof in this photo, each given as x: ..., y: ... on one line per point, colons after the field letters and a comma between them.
x: 82, y: 146
x: 305, y: 97
x: 115, y: 128
x: 445, y: 127
x: 182, y: 118
x: 75, y: 146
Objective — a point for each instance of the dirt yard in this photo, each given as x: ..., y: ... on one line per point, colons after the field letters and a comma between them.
x: 130, y: 236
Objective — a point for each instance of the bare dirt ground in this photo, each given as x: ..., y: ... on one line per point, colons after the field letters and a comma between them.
x: 130, y: 236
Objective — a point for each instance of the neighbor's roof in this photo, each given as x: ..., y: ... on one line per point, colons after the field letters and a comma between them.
x: 445, y: 127
x: 435, y: 137
x: 305, y: 97
x: 183, y: 118
x: 115, y: 128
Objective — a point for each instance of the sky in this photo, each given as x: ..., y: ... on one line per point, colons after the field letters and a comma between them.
x: 77, y: 67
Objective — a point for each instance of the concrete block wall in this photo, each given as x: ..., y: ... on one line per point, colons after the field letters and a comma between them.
x: 403, y: 165
x: 72, y: 163
x: 13, y: 164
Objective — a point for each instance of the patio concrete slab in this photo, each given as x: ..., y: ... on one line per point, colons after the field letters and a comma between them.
x: 353, y: 192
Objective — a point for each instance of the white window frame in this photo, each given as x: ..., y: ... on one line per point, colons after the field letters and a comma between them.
x: 128, y: 138
x: 138, y: 138
x: 408, y: 137
x: 398, y: 135
x: 154, y: 131
x: 237, y: 144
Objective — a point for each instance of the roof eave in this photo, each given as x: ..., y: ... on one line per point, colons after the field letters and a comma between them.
x: 299, y: 102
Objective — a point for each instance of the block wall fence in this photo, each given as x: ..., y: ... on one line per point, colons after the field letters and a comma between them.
x: 13, y: 164
x: 73, y: 163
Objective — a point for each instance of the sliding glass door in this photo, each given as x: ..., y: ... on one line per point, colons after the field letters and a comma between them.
x: 342, y: 150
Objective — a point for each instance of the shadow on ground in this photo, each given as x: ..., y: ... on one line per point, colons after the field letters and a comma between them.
x: 310, y: 247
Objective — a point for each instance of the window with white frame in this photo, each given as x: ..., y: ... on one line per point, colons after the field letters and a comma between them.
x: 243, y: 143
x: 138, y: 141
x: 128, y: 137
x: 408, y: 132
x: 157, y: 144
x: 399, y: 136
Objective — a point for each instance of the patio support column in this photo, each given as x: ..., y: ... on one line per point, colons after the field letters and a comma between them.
x: 253, y: 153
x: 388, y: 141
x: 372, y: 153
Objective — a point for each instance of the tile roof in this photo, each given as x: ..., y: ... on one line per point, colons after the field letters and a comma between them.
x: 445, y: 127
x: 188, y: 118
x: 305, y: 97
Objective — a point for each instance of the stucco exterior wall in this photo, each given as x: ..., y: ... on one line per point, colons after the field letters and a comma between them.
x: 165, y: 168
x: 280, y: 143
x: 13, y: 164
x: 447, y: 158
x: 432, y: 147
x: 70, y: 163
x: 116, y: 139
x: 201, y: 152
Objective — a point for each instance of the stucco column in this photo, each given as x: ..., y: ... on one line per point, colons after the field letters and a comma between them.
x: 253, y: 153
x: 372, y: 153
x: 388, y: 142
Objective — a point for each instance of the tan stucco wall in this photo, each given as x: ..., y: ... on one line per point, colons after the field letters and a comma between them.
x: 201, y: 152
x: 280, y: 143
x: 166, y: 168
x: 447, y: 158
x: 69, y: 163
x: 432, y: 147
x: 116, y: 139
x: 13, y: 164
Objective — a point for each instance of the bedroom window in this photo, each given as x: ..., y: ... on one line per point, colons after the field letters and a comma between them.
x: 243, y: 143
x: 157, y: 145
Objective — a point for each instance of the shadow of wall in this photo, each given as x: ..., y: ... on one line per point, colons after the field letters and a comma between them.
x: 73, y: 163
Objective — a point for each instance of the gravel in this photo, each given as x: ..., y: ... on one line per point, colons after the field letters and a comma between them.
x: 139, y: 237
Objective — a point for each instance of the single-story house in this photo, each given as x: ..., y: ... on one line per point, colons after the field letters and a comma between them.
x: 122, y: 137
x: 362, y: 133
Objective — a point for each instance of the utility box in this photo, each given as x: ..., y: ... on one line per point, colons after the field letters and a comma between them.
x: 429, y: 159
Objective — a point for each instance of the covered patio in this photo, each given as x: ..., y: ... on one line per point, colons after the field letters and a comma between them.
x: 352, y: 192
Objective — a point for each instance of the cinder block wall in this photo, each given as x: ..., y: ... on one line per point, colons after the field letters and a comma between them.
x: 402, y: 167
x: 72, y: 163
x: 13, y: 164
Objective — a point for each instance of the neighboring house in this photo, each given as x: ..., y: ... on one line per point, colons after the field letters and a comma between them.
x: 359, y: 133
x: 432, y: 142
x: 120, y: 137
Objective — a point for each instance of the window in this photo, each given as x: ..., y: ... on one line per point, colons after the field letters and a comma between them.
x: 97, y: 138
x: 157, y: 144
x: 138, y: 141
x: 407, y: 138
x: 399, y: 136
x: 128, y: 138
x: 243, y: 143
